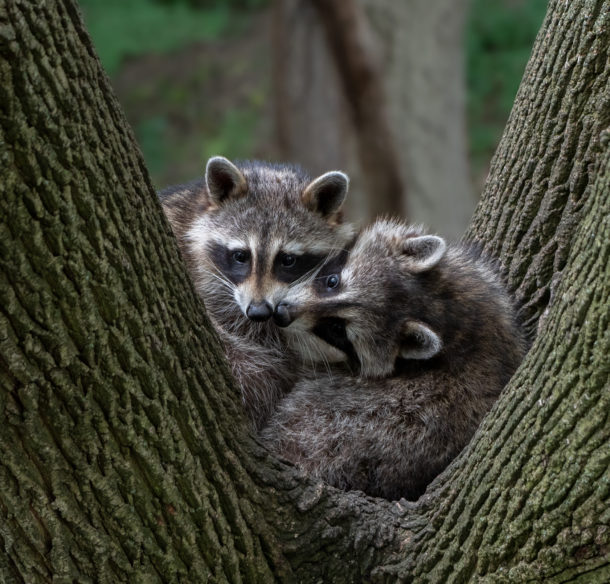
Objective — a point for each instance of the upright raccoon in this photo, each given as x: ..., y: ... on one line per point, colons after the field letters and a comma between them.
x: 246, y: 233
x: 433, y: 336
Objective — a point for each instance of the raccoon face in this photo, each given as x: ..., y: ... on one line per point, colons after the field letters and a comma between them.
x: 267, y: 227
x: 367, y: 307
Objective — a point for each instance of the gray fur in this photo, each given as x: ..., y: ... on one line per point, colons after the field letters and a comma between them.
x: 264, y: 373
x: 395, y: 426
x: 265, y: 210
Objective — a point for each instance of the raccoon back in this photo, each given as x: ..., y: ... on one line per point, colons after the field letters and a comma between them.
x: 387, y: 437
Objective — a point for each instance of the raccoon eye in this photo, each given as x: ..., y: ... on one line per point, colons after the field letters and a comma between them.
x: 288, y: 260
x: 240, y: 256
x: 337, y: 328
x: 332, y: 281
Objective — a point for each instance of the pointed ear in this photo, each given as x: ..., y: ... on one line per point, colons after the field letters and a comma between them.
x: 224, y: 180
x: 419, y: 341
x: 423, y: 252
x: 325, y: 194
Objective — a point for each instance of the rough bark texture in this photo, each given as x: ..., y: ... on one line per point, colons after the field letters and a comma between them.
x: 528, y: 500
x: 113, y: 460
x: 549, y: 153
x: 123, y: 452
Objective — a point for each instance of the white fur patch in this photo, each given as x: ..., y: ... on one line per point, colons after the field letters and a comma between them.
x: 429, y: 343
x: 200, y: 234
x: 311, y: 348
x: 294, y: 247
x: 235, y: 244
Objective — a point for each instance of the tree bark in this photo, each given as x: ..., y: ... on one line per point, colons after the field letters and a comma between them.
x: 114, y: 465
x: 124, y: 455
x: 549, y: 155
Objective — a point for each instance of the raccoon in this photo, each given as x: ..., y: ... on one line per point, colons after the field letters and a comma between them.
x: 263, y: 373
x: 246, y: 232
x: 427, y: 336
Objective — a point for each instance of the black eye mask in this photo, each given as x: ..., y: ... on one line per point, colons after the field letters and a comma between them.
x: 332, y: 330
x: 328, y: 278
x: 290, y: 267
x: 236, y: 265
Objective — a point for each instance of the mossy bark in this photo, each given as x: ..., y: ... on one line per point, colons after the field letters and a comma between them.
x: 124, y: 455
x: 549, y: 154
x: 114, y: 404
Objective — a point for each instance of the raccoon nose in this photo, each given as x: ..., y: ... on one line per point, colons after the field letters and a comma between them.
x: 259, y: 311
x: 281, y: 316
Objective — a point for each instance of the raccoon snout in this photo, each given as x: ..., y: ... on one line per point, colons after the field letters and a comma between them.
x: 281, y: 316
x: 259, y: 311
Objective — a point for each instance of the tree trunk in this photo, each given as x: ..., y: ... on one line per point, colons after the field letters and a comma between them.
x: 124, y: 453
x: 114, y: 464
x: 381, y: 95
x: 347, y: 35
x: 311, y: 112
x: 422, y: 47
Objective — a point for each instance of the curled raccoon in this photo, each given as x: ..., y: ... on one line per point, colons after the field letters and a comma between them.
x: 426, y: 337
x: 246, y: 232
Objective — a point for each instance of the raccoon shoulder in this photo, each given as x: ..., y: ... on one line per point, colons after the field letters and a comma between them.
x: 480, y: 324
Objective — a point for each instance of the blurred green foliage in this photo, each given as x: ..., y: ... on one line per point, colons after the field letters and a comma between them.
x: 499, y: 39
x: 236, y: 135
x: 238, y: 4
x: 151, y: 133
x: 128, y: 28
x: 178, y: 121
x: 225, y: 117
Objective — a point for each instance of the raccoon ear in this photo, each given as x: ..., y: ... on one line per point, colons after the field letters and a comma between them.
x: 325, y: 194
x: 419, y: 341
x: 224, y: 180
x: 423, y: 252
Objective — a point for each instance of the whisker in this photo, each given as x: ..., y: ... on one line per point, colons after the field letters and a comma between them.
x: 218, y: 275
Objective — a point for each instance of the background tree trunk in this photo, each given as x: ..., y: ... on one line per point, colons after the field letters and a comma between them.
x: 124, y: 455
x: 410, y: 116
x: 350, y: 45
x: 311, y: 111
x: 422, y: 47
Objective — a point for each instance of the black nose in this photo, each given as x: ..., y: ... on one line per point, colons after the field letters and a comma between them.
x: 259, y: 311
x: 281, y: 316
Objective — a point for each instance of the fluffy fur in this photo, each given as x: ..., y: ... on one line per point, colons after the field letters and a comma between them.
x: 432, y: 335
x: 247, y: 231
x: 263, y: 373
